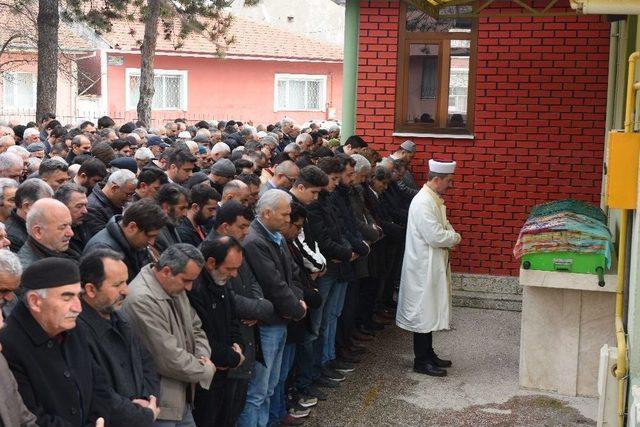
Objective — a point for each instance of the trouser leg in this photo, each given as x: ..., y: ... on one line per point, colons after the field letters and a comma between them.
x: 423, y: 347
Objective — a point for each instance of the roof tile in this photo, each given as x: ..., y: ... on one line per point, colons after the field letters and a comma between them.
x: 252, y: 39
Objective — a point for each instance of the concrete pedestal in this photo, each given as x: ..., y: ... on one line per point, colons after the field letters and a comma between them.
x: 566, y: 318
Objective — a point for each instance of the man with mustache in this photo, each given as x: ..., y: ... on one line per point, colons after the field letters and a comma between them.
x: 57, y: 378
x: 74, y: 197
x: 114, y: 345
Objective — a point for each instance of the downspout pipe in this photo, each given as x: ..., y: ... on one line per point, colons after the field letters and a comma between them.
x: 620, y: 370
x: 606, y: 7
x: 350, y: 69
x: 611, y: 100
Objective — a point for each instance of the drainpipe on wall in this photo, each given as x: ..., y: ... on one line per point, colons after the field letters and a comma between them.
x: 611, y: 101
x: 350, y: 69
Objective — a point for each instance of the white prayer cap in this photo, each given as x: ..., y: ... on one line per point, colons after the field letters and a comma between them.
x: 442, y: 167
x: 220, y: 147
x: 185, y: 134
x: 261, y: 134
x: 29, y: 132
x: 143, y: 153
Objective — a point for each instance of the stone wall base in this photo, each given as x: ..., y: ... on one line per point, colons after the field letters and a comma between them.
x: 485, y: 291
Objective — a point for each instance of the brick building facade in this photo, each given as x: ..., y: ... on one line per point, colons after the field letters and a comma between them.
x: 539, y: 119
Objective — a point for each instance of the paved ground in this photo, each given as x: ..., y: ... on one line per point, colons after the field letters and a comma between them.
x: 481, y: 389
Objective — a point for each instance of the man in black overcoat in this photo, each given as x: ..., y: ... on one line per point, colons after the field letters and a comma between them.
x: 131, y: 375
x: 57, y: 378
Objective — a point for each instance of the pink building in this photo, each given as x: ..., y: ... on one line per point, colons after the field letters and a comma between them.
x: 19, y: 63
x: 267, y: 74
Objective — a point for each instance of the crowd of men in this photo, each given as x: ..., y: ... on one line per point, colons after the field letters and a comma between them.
x: 207, y: 274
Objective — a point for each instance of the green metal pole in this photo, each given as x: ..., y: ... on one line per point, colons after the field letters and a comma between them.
x: 350, y: 69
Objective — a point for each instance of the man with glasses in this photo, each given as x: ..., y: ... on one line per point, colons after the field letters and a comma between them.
x: 104, y: 203
x: 284, y: 175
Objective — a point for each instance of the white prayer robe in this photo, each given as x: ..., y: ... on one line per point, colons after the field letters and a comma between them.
x: 424, y: 300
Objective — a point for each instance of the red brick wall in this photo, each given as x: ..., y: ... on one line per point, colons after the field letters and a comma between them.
x: 541, y: 89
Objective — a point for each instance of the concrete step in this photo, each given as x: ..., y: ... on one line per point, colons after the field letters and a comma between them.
x: 489, y: 300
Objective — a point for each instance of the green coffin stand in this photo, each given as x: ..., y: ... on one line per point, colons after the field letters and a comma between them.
x: 572, y: 262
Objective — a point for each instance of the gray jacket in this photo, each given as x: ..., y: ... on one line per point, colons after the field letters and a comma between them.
x: 13, y: 412
x: 172, y: 332
x: 408, y: 184
x: 250, y: 305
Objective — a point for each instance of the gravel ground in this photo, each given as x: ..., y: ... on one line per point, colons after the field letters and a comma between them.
x: 480, y: 390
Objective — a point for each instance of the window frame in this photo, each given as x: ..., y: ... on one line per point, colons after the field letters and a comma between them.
x: 301, y: 77
x: 14, y: 107
x: 184, y: 87
x: 443, y: 40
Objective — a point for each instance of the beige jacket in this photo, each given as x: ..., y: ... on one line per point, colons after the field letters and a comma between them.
x: 175, y: 340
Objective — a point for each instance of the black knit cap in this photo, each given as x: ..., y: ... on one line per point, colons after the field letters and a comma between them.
x: 50, y: 273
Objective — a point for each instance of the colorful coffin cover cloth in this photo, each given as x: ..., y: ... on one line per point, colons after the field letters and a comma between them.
x: 565, y: 226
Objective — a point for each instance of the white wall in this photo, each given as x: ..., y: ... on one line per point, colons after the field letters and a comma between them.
x: 322, y: 19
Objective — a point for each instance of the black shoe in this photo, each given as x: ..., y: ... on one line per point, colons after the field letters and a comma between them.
x: 332, y: 374
x: 341, y: 366
x: 359, y: 336
x: 314, y: 392
x: 327, y: 383
x: 441, y: 363
x: 429, y: 369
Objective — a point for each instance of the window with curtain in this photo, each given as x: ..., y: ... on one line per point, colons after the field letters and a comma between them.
x: 300, y: 92
x: 436, y: 59
x: 19, y: 90
x: 170, y: 90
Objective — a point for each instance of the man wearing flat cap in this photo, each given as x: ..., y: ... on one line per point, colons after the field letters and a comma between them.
x: 156, y: 145
x: 220, y: 173
x: 424, y: 300
x: 407, y: 182
x: 57, y: 378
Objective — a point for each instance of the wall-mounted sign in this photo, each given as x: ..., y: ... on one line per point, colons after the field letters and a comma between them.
x: 115, y: 61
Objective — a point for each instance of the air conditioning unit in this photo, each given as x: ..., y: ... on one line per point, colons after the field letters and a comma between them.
x: 607, y: 388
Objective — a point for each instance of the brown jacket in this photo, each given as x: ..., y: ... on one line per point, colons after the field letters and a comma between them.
x: 172, y: 332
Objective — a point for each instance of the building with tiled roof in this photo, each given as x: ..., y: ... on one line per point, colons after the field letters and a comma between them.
x: 18, y: 64
x: 252, y: 40
x: 19, y: 29
x: 264, y: 75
